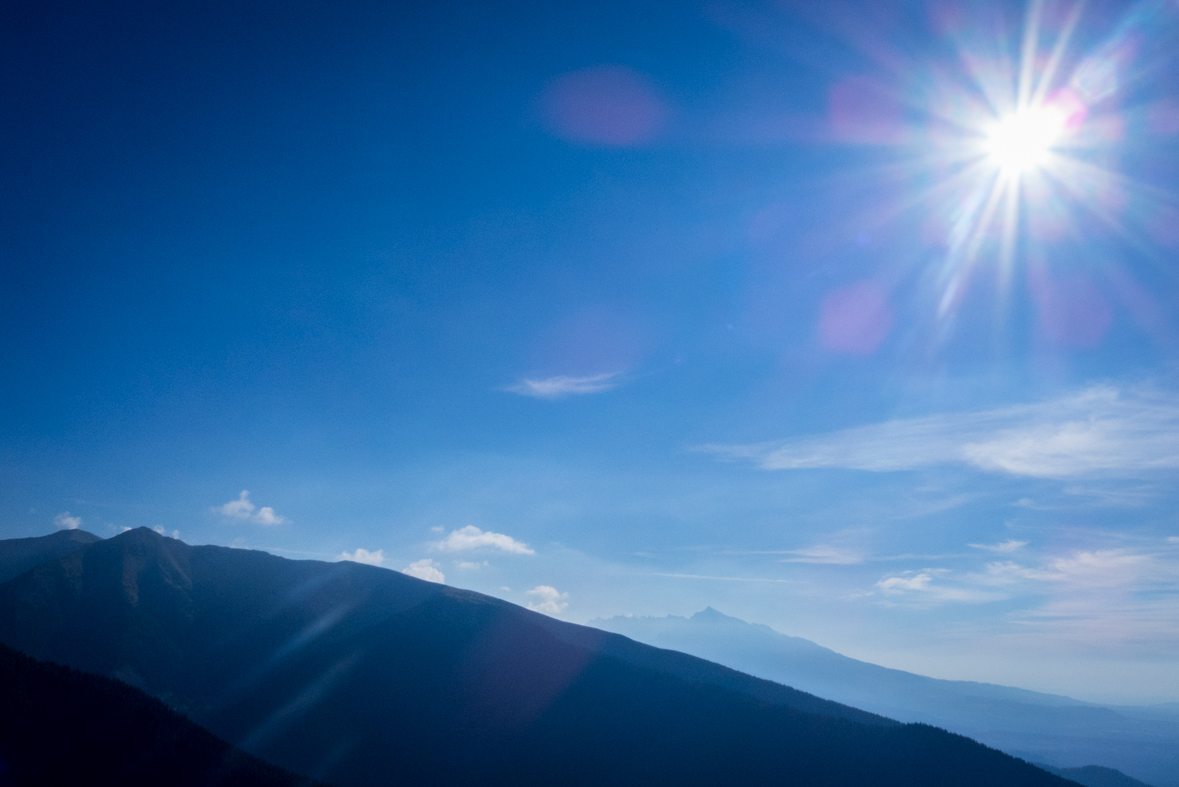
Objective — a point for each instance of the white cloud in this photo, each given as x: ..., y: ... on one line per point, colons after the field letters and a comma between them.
x: 899, y: 584
x: 266, y: 516
x: 823, y: 554
x: 1010, y: 573
x: 469, y: 566
x: 928, y: 586
x: 557, y: 387
x: 364, y: 556
x: 1106, y: 568
x: 1011, y: 545
x: 160, y: 529
x: 471, y: 537
x: 1101, y: 431
x: 424, y: 569
x: 1100, y: 597
x: 550, y: 601
x: 64, y: 520
x: 242, y: 508
x: 1120, y: 592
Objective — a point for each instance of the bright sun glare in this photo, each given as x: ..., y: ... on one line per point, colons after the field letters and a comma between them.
x: 1024, y: 140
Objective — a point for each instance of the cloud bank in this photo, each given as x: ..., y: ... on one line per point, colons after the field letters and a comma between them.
x: 1101, y: 431
x: 242, y: 508
x: 471, y: 537
x: 424, y: 569
x: 1099, y: 597
x: 558, y: 387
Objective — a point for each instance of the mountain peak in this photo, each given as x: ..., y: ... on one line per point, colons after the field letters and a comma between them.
x: 18, y: 555
x: 710, y: 615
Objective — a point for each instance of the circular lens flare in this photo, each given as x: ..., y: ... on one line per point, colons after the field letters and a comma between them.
x: 1024, y: 140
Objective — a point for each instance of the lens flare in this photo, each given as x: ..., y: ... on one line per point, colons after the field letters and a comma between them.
x: 1007, y: 150
x: 1024, y: 140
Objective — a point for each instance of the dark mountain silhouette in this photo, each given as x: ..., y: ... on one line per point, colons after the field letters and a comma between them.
x: 1031, y: 725
x: 364, y: 676
x: 18, y: 555
x: 1095, y: 776
x: 59, y: 726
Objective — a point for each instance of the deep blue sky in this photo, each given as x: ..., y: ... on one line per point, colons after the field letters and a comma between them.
x: 609, y: 284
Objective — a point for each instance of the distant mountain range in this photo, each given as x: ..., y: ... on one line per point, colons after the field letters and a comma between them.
x: 362, y: 676
x: 1095, y: 776
x: 59, y: 726
x: 1142, y: 742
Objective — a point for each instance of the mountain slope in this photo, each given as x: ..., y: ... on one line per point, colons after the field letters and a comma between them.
x: 18, y: 555
x: 1033, y: 725
x: 1095, y: 776
x: 60, y: 726
x: 363, y: 676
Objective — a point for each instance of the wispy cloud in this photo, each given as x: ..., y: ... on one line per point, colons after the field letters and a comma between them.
x: 1101, y: 431
x: 364, y: 556
x: 471, y: 537
x: 713, y: 577
x: 926, y: 586
x: 425, y: 569
x: 242, y: 508
x: 1011, y: 545
x: 64, y: 520
x: 557, y: 387
x: 549, y: 600
x: 824, y: 554
x: 1102, y: 597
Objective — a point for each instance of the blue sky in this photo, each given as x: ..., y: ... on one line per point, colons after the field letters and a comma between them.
x: 626, y: 308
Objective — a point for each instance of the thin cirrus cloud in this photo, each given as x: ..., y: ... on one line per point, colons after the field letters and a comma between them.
x: 824, y: 555
x: 1101, y: 597
x: 1005, y: 547
x: 1101, y: 431
x: 242, y: 508
x: 562, y: 386
x: 471, y: 537
x: 924, y: 587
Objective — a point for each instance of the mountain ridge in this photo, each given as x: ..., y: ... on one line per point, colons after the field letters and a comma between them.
x: 361, y: 676
x: 18, y: 555
x: 1032, y: 725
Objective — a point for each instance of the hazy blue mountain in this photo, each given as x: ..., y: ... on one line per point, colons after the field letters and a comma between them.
x: 1095, y: 776
x: 1143, y: 742
x: 59, y: 726
x: 18, y: 555
x: 364, y: 676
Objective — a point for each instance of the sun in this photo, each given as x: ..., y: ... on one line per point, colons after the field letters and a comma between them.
x: 1023, y: 141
